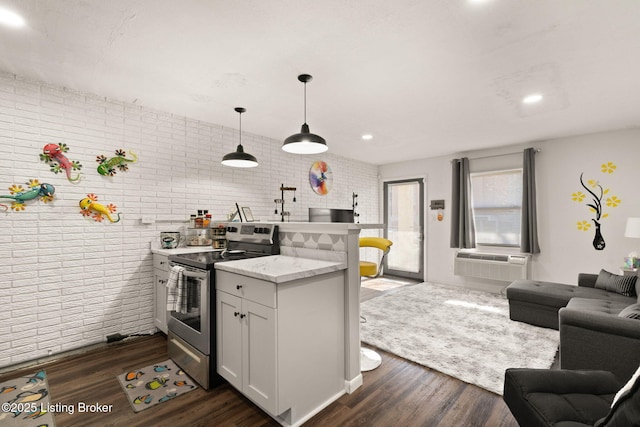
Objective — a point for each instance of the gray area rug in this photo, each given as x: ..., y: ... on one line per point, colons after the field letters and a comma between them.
x: 462, y: 333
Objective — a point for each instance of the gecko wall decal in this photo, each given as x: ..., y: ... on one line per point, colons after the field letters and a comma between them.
x: 19, y: 195
x: 53, y: 154
x: 108, y: 166
x: 89, y: 206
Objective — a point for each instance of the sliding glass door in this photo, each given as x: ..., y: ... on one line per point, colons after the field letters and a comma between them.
x: 404, y: 219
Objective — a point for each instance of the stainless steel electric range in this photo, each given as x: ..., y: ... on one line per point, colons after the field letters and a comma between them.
x: 191, y: 326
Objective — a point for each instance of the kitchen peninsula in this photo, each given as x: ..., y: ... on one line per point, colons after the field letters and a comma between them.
x: 312, y: 291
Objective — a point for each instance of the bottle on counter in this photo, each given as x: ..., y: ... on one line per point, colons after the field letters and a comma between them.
x: 207, y: 219
x: 199, y: 219
x: 192, y: 221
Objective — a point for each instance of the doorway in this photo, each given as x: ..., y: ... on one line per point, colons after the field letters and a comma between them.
x: 404, y: 226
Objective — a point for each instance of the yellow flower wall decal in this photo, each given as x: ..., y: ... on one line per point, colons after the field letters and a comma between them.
x: 595, y: 200
x: 584, y: 225
x: 608, y: 167
x: 578, y: 196
x: 613, y: 201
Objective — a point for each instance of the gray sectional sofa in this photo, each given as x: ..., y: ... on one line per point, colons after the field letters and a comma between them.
x: 598, y: 320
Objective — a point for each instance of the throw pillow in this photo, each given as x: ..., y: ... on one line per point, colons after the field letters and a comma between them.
x: 625, y: 409
x: 623, y: 285
x: 631, y: 312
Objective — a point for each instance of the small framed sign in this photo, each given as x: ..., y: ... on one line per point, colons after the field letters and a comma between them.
x: 248, y: 216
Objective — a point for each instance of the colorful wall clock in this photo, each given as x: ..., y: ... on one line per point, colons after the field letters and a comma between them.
x: 320, y: 177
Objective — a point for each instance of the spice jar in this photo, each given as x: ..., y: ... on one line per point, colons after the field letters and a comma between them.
x: 199, y: 219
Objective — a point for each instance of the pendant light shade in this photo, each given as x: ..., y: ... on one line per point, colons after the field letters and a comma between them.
x: 305, y: 142
x: 240, y: 159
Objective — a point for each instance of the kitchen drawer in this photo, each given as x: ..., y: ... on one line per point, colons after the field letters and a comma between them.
x: 161, y: 262
x: 256, y: 290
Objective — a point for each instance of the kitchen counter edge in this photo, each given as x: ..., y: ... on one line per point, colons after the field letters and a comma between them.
x: 280, y: 268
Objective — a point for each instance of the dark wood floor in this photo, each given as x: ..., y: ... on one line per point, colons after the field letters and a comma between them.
x: 398, y: 393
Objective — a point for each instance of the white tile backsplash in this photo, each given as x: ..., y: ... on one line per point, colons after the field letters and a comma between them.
x: 67, y: 281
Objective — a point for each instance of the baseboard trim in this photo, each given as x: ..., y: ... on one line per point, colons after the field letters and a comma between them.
x: 352, y: 385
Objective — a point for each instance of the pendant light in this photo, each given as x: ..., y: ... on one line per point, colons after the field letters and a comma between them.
x: 305, y: 142
x: 240, y: 159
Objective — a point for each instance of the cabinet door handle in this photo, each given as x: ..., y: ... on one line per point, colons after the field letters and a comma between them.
x: 238, y: 287
x: 242, y: 316
x: 236, y: 314
x: 162, y: 281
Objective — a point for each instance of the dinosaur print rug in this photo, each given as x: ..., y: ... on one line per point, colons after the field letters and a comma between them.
x: 153, y: 384
x: 25, y: 402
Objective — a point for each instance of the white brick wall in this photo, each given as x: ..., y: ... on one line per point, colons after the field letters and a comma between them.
x: 67, y: 281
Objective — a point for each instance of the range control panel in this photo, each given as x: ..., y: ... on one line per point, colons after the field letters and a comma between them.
x: 252, y: 232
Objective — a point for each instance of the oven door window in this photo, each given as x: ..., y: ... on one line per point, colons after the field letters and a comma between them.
x: 191, y: 304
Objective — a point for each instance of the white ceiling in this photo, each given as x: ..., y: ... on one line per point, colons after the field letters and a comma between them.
x: 425, y: 77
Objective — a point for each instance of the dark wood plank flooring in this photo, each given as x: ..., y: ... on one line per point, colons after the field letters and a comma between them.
x: 398, y: 393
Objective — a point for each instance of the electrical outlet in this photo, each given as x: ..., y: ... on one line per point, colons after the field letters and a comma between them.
x: 148, y: 219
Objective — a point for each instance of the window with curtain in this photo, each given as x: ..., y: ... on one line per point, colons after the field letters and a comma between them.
x: 497, y: 207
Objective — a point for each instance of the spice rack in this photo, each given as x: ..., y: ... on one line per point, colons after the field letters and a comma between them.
x: 219, y: 235
x: 215, y: 236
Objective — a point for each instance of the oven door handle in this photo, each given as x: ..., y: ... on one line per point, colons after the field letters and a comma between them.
x: 187, y: 273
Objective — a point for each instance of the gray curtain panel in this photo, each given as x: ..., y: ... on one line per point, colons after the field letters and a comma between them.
x: 529, y: 223
x: 463, y: 230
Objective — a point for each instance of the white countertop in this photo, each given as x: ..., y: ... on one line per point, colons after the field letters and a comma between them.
x: 326, y: 227
x: 280, y: 268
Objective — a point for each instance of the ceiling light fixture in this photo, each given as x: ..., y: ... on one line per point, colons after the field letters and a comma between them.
x: 240, y: 159
x: 11, y: 18
x: 367, y: 136
x: 532, y: 99
x: 305, y: 142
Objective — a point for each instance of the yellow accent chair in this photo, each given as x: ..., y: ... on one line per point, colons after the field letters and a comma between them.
x: 369, y: 359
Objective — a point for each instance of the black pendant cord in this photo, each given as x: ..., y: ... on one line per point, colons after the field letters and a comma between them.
x: 305, y: 102
x: 240, y: 111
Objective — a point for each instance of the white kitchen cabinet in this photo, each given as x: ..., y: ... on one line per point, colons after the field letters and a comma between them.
x: 282, y: 345
x: 248, y: 348
x: 160, y: 277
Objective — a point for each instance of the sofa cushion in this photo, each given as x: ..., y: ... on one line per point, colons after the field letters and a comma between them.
x: 631, y: 312
x: 625, y: 409
x: 550, y: 397
x: 623, y: 285
x: 591, y: 306
x: 557, y: 295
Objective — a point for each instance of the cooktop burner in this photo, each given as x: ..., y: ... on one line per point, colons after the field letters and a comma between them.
x: 206, y: 260
x: 244, y: 241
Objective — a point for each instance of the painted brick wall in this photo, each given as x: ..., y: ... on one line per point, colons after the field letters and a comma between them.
x: 67, y: 281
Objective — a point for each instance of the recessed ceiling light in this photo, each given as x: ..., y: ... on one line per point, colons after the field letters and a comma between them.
x: 11, y: 19
x: 367, y: 136
x: 532, y: 99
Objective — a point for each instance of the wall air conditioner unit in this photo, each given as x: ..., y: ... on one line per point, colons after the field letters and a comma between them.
x: 482, y: 265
